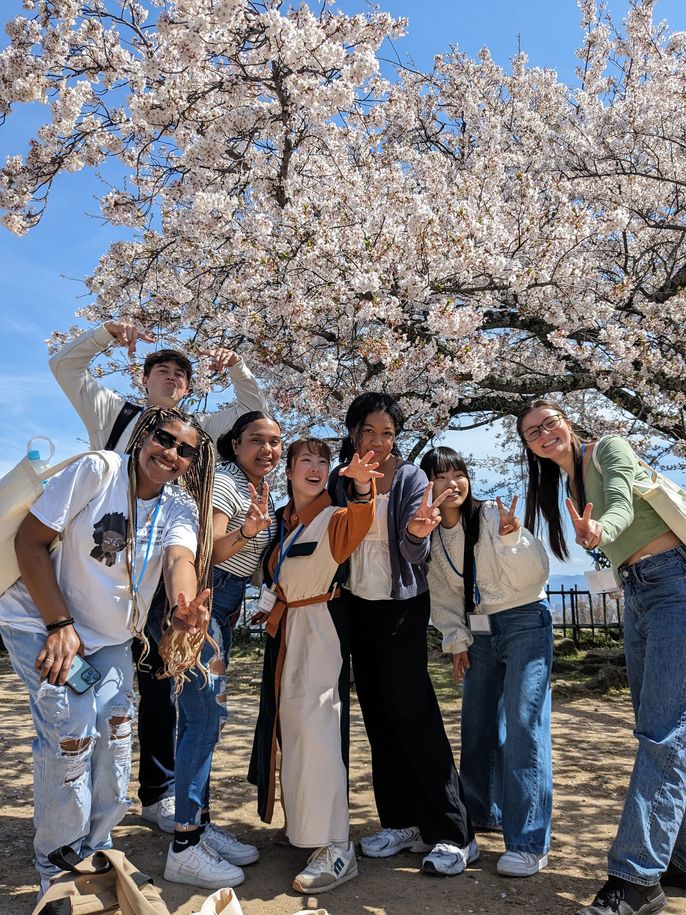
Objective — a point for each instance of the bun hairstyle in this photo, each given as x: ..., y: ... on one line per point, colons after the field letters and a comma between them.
x: 225, y: 441
x: 359, y: 410
x: 545, y: 480
x: 440, y: 460
x: 179, y: 650
x: 313, y: 445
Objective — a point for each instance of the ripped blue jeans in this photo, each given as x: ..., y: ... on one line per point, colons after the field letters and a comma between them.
x: 82, y: 749
x: 202, y: 707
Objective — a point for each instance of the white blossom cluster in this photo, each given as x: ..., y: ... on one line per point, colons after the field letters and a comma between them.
x: 466, y: 239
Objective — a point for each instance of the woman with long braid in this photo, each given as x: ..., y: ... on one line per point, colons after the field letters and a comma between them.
x: 122, y: 522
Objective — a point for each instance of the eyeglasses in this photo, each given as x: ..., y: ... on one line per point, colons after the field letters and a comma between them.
x: 552, y: 422
x: 183, y: 449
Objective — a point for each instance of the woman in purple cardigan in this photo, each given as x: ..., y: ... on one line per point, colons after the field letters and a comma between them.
x: 416, y: 786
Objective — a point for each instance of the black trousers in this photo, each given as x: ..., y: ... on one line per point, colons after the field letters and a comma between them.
x: 414, y: 775
x: 156, y: 715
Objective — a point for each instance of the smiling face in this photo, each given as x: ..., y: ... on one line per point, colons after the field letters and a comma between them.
x: 454, y: 480
x: 376, y: 433
x: 552, y: 434
x: 158, y: 465
x: 258, y: 450
x: 166, y: 384
x: 307, y: 474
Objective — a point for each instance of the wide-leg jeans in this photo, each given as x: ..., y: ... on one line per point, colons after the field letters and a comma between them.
x: 506, y: 762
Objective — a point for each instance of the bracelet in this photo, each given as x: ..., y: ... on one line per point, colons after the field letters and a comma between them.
x: 60, y: 624
x: 362, y: 494
x: 411, y: 537
x: 243, y: 536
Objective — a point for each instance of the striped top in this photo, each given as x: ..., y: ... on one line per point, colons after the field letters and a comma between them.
x: 232, y: 497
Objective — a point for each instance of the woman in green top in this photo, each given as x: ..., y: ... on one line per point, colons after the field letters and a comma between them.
x: 650, y: 562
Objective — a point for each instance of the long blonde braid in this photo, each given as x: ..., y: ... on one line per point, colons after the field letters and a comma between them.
x: 179, y: 651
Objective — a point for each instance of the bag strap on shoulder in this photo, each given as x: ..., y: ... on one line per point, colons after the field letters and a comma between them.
x: 124, y: 417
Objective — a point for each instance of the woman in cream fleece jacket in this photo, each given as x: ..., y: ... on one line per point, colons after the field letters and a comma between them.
x: 486, y: 577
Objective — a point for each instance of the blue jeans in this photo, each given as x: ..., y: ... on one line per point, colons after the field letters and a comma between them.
x: 652, y: 829
x: 506, y: 763
x: 202, y: 707
x: 82, y: 749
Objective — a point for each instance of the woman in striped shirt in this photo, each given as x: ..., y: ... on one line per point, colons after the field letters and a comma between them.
x: 244, y: 522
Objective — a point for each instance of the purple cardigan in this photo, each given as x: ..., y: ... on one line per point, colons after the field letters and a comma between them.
x: 408, y: 554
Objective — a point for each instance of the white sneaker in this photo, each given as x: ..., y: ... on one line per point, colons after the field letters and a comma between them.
x: 227, y: 845
x: 389, y: 842
x: 200, y: 865
x: 447, y: 859
x: 520, y: 864
x: 163, y: 813
x: 327, y: 867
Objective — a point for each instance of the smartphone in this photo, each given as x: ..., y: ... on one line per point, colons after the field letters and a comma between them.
x: 82, y: 675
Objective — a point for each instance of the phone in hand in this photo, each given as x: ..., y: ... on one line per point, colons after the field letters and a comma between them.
x: 82, y: 675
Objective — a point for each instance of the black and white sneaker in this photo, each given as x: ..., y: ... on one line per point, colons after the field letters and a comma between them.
x: 619, y: 897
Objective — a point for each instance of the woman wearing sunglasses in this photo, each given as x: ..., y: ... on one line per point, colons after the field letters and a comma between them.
x: 122, y: 522
x: 650, y: 561
x: 202, y: 854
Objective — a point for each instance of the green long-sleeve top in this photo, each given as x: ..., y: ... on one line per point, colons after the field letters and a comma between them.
x: 628, y: 521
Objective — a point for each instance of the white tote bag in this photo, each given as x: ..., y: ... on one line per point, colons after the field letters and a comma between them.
x: 19, y: 489
x: 663, y: 495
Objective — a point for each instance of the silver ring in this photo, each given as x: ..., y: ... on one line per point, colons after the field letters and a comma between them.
x: 52, y: 660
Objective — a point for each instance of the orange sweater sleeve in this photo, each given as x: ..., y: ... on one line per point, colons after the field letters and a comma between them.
x: 350, y: 525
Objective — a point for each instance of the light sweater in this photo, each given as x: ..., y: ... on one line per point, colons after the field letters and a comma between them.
x: 510, y: 571
x: 99, y: 407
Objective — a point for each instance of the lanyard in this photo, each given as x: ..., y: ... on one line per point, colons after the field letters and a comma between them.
x: 477, y: 593
x: 283, y: 553
x: 135, y: 585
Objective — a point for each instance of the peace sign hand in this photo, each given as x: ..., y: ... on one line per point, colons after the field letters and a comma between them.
x: 588, y: 531
x: 361, y: 469
x: 427, y: 516
x: 257, y: 517
x: 509, y: 522
x: 191, y: 616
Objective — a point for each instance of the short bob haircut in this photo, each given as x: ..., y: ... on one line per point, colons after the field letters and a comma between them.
x: 168, y: 355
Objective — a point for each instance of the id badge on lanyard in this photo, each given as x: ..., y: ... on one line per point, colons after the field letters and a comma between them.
x: 267, y: 598
x: 479, y: 623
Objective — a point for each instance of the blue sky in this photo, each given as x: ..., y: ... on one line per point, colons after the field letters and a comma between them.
x: 41, y: 272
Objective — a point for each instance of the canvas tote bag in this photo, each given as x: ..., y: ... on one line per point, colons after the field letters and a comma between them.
x: 19, y: 489
x: 663, y: 495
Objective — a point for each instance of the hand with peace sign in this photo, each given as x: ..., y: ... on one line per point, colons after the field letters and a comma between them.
x: 509, y: 522
x: 588, y: 531
x: 427, y: 516
x: 257, y: 517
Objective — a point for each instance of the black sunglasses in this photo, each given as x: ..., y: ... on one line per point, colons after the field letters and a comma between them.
x: 167, y: 440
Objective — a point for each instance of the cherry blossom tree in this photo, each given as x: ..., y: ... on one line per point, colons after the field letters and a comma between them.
x: 466, y: 239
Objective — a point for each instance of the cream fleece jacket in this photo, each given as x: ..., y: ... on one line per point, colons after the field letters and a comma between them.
x: 510, y: 571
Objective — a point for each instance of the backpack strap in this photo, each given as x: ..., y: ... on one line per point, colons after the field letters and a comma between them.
x: 124, y: 417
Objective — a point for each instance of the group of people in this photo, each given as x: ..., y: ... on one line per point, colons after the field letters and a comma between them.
x: 155, y: 550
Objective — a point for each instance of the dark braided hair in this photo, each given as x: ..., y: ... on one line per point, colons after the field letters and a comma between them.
x: 179, y: 650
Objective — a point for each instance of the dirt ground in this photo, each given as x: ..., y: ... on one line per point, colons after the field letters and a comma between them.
x: 593, y: 750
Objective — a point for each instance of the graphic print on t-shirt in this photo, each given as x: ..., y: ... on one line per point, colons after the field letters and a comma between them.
x: 109, y: 534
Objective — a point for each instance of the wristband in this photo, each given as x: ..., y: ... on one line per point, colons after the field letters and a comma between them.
x: 60, y: 624
x: 411, y: 537
x: 244, y: 536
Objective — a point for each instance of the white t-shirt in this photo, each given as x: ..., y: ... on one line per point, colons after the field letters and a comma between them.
x: 90, y: 508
